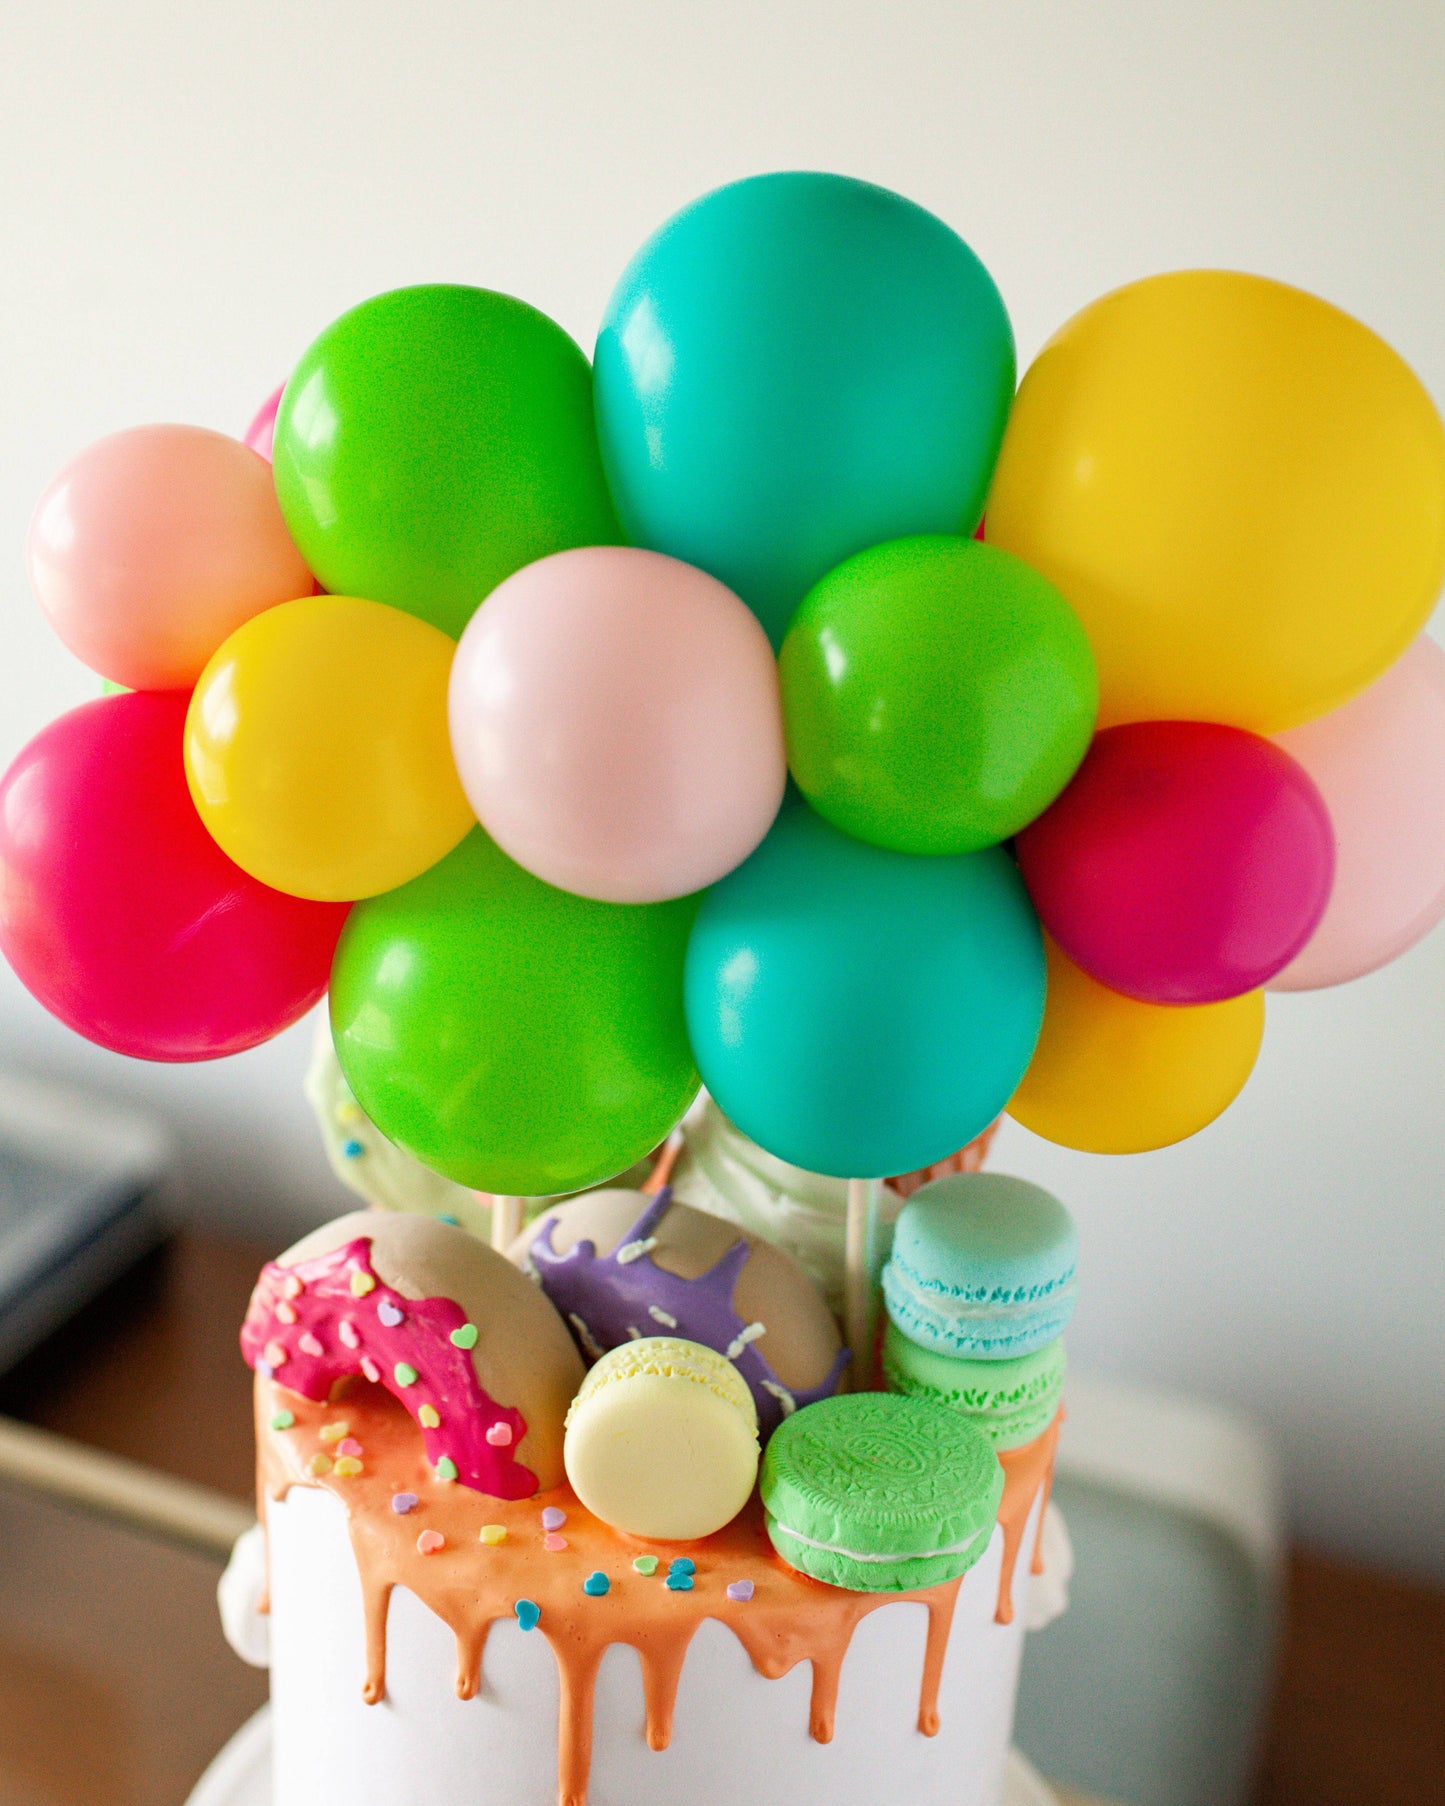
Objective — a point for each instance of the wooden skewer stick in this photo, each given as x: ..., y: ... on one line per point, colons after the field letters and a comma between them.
x: 506, y: 1220
x: 858, y: 1282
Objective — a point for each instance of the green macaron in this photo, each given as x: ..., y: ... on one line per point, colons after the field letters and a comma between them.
x: 1012, y: 1402
x: 880, y: 1493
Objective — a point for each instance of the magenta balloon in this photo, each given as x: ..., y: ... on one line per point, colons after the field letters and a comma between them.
x: 262, y: 430
x: 121, y: 914
x: 616, y: 722
x: 1379, y: 763
x: 1187, y: 862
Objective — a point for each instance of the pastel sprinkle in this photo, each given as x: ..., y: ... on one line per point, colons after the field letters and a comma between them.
x: 528, y: 1612
x: 389, y: 1314
x: 370, y: 1369
x: 346, y: 1331
x: 682, y: 1564
x: 348, y: 1446
x: 319, y: 1465
x: 275, y: 1354
x: 429, y: 1542
x: 284, y: 1420
x: 466, y: 1337
x: 446, y: 1468
x: 353, y: 1150
x: 351, y: 1113
x: 492, y: 1534
x: 346, y: 1467
x: 285, y: 1313
x: 679, y: 1583
x: 554, y: 1544
x: 446, y: 1217
x: 292, y: 1285
x: 429, y: 1417
x: 361, y: 1284
x: 308, y: 1345
x: 645, y: 1564
x: 265, y: 1369
x: 403, y: 1502
x: 404, y: 1374
x: 552, y: 1518
x: 500, y: 1435
x: 740, y: 1590
x: 333, y: 1432
x: 596, y: 1584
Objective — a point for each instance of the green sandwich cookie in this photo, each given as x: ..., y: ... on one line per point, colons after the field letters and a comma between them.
x: 880, y: 1493
x: 1012, y: 1402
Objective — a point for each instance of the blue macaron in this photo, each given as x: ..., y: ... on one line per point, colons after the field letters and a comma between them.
x: 982, y: 1267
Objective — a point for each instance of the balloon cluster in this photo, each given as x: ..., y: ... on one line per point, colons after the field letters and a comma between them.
x: 479, y: 706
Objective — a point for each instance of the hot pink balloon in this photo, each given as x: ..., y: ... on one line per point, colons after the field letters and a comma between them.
x: 153, y: 546
x: 1186, y: 862
x: 261, y: 433
x: 616, y: 722
x: 1379, y: 763
x: 121, y: 914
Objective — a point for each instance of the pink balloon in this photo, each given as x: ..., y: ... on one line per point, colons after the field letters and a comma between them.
x: 616, y: 723
x: 261, y: 433
x: 154, y: 545
x: 121, y: 914
x: 1379, y: 763
x: 1186, y: 862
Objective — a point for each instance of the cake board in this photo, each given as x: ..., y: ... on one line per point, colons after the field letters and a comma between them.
x: 241, y: 1774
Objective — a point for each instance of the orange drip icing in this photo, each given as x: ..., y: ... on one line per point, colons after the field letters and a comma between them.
x: 1027, y: 1472
x: 469, y: 1584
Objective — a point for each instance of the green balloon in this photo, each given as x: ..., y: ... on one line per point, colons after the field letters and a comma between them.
x: 434, y: 440
x: 517, y: 1038
x: 939, y: 693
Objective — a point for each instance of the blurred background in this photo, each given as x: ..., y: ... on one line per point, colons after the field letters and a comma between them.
x: 193, y: 190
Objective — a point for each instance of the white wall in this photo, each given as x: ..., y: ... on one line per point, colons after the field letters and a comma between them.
x: 192, y: 188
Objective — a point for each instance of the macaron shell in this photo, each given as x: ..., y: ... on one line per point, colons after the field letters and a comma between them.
x: 880, y: 1493
x: 1012, y: 1402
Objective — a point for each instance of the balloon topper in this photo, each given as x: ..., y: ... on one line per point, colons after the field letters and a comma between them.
x: 590, y: 730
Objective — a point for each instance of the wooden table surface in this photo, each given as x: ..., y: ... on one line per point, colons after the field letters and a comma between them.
x: 116, y: 1687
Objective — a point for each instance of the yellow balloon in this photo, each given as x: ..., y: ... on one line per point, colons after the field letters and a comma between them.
x: 1240, y: 490
x: 1111, y: 1075
x: 317, y: 748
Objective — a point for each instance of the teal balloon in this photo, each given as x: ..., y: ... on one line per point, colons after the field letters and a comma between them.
x: 432, y: 441
x: 517, y: 1038
x: 793, y: 368
x: 862, y: 1012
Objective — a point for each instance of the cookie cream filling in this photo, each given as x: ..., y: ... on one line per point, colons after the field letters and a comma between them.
x: 969, y: 1542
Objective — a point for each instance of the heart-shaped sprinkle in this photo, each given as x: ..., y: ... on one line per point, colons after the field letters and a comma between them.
x: 445, y: 1469
x: 403, y: 1502
x: 346, y: 1330
x: 596, y: 1584
x: 429, y: 1542
x: 283, y: 1420
x: 275, y: 1354
x: 347, y: 1467
x: 370, y: 1369
x: 348, y: 1445
x: 553, y: 1519
x: 333, y: 1432
x: 682, y: 1564
x: 528, y: 1612
x: 318, y: 1465
x: 466, y: 1336
x: 389, y: 1315
x: 492, y: 1534
x: 285, y: 1313
x: 554, y: 1544
x: 291, y: 1285
x: 428, y: 1417
x: 266, y: 1370
x: 679, y: 1583
x: 500, y: 1435
x: 645, y: 1564
x: 361, y: 1284
x: 404, y: 1374
x: 740, y: 1590
x: 308, y: 1345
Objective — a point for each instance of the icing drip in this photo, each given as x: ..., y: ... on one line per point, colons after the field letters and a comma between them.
x: 605, y: 1297
x: 787, y: 1619
x: 1027, y: 1473
x: 331, y: 1318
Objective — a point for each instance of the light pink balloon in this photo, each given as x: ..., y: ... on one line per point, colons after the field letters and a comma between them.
x: 616, y: 723
x: 1379, y: 763
x: 154, y: 545
x: 261, y: 433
